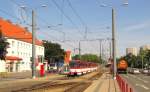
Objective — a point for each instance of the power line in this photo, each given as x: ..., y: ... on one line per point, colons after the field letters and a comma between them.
x: 24, y: 21
x: 75, y: 12
x: 40, y: 18
x: 9, y: 14
x: 14, y: 2
x: 63, y: 1
x: 37, y: 16
x: 66, y: 16
x: 79, y: 17
x: 44, y: 21
x: 55, y: 38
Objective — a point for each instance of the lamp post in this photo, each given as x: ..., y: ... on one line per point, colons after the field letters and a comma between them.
x: 33, y: 45
x: 100, y: 50
x: 113, y: 37
x: 114, y: 42
x: 142, y: 61
x: 79, y: 50
x: 33, y: 41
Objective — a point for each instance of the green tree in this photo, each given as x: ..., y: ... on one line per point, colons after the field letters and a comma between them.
x: 53, y: 51
x: 3, y: 46
x: 76, y: 57
x: 144, y: 57
x: 90, y: 58
x: 131, y: 60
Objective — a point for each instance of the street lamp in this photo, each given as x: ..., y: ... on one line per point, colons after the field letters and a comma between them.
x: 113, y: 37
x: 114, y: 42
x: 33, y: 41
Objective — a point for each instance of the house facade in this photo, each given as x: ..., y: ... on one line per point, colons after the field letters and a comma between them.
x: 19, y: 53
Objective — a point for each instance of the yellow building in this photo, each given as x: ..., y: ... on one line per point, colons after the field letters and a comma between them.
x: 145, y: 47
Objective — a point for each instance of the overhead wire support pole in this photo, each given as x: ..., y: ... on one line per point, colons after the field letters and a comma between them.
x: 79, y: 50
x: 33, y: 44
x: 114, y: 42
x: 100, y: 50
x: 110, y: 50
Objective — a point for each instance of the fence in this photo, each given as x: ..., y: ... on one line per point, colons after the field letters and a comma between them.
x: 124, y: 87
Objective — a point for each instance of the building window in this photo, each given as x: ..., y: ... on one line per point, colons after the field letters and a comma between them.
x: 21, y: 44
x: 24, y: 45
x: 39, y: 48
x: 12, y: 52
x: 13, y: 43
x: 18, y: 44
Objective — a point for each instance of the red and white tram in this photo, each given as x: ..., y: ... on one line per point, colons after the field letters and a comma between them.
x: 80, y: 67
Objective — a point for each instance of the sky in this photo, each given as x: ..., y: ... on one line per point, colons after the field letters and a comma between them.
x: 69, y: 21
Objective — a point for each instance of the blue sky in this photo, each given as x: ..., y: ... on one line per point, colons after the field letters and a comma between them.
x: 132, y: 21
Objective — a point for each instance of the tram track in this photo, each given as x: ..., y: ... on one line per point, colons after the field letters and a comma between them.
x: 77, y: 84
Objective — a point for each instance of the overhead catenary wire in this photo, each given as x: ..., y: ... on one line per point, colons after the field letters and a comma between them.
x: 75, y: 12
x: 19, y: 5
x: 69, y: 19
x: 61, y: 16
x: 44, y: 21
x: 8, y: 14
x: 79, y: 17
x: 56, y: 39
x: 47, y: 25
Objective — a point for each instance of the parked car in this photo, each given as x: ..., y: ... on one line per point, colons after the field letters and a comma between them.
x: 145, y: 71
x: 134, y: 71
x: 148, y: 72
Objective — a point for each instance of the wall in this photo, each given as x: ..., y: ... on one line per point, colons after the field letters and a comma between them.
x: 2, y: 66
x: 23, y: 50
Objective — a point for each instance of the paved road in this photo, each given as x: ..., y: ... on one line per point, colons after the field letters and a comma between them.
x: 140, y: 82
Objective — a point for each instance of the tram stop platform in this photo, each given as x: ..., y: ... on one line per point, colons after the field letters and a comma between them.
x: 105, y: 83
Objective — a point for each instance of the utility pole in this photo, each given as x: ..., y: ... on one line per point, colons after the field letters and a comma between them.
x: 114, y: 42
x: 142, y: 62
x: 85, y: 37
x: 79, y: 50
x: 110, y: 49
x: 33, y: 44
x: 102, y: 53
x: 100, y: 49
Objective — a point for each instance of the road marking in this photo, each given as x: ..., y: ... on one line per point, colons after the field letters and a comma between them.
x: 126, y: 76
x: 142, y: 80
x: 139, y: 78
x: 142, y: 86
x: 132, y: 76
x: 145, y: 81
x: 145, y: 87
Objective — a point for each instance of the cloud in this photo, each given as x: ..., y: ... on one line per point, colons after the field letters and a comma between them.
x: 137, y: 26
